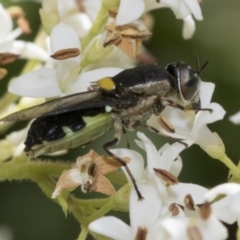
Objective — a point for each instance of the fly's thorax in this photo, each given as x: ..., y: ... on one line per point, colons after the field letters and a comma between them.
x: 131, y: 116
x: 147, y: 79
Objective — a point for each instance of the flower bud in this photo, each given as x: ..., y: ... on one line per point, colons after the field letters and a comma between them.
x: 49, y: 15
x: 97, y: 52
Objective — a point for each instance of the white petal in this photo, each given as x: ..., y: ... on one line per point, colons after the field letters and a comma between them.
x: 66, y: 7
x: 175, y: 227
x: 5, y: 46
x: 63, y: 37
x: 176, y: 166
x: 205, y: 139
x: 136, y: 164
x: 206, y: 92
x: 188, y: 27
x: 194, y: 8
x: 14, y: 34
x: 112, y: 227
x: 206, y: 117
x: 152, y: 154
x: 179, y: 8
x: 80, y: 22
x: 129, y: 11
x: 180, y: 190
x: 214, y: 229
x: 169, y: 155
x: 39, y: 83
x: 144, y: 213
x: 29, y: 50
x: 5, y: 23
x: 226, y: 188
x: 235, y: 118
x: 224, y: 210
x: 83, y: 81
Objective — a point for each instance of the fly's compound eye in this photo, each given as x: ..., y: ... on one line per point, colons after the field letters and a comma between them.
x: 188, y: 83
x: 185, y: 78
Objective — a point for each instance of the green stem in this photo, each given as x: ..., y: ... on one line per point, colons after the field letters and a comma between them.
x: 97, y: 26
x: 19, y: 170
x: 228, y: 162
x: 103, y: 210
x: 84, y: 233
x: 96, y: 203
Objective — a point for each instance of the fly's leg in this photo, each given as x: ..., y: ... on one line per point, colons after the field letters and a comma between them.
x: 176, y: 105
x: 114, y: 142
x: 153, y: 129
x: 125, y: 134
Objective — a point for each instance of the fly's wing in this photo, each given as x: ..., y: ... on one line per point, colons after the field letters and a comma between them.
x: 91, y: 99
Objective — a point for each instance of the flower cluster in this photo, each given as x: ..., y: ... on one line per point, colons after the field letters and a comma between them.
x: 81, y: 45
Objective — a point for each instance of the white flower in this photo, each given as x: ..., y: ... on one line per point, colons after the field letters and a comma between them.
x: 64, y: 78
x: 165, y: 161
x: 235, y: 118
x: 68, y: 13
x: 143, y: 214
x: 183, y: 9
x: 194, y: 128
x: 9, y: 44
x: 12, y: 145
x: 190, y: 228
x: 226, y: 209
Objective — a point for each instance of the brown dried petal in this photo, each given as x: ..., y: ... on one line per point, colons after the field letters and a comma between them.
x: 133, y: 31
x: 205, y: 210
x: 103, y: 185
x: 24, y: 25
x: 89, y: 157
x: 141, y: 233
x: 194, y: 233
x: 15, y: 12
x: 66, y: 53
x: 108, y: 164
x: 112, y: 38
x: 69, y: 179
x: 174, y: 209
x: 166, y: 125
x: 80, y: 6
x: 166, y: 176
x: 112, y: 12
x: 127, y: 46
x: 3, y: 73
x: 189, y: 202
x: 6, y: 58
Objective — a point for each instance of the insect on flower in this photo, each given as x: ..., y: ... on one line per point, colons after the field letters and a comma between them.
x: 121, y: 103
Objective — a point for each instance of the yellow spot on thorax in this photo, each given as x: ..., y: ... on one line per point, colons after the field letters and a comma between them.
x: 106, y: 84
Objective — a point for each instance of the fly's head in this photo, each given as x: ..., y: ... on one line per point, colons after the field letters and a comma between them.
x: 187, y: 82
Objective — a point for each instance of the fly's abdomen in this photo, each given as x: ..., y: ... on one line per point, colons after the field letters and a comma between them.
x: 69, y: 130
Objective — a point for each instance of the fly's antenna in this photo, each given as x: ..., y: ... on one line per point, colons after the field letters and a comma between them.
x: 199, y: 68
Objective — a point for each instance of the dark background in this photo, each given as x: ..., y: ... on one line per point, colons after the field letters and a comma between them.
x: 26, y: 210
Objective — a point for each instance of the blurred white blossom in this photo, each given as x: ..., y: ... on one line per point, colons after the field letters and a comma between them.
x: 129, y: 11
x: 8, y: 42
x: 226, y: 208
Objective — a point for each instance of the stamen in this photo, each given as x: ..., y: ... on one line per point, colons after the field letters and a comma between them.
x: 189, y: 202
x: 66, y: 53
x: 166, y: 176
